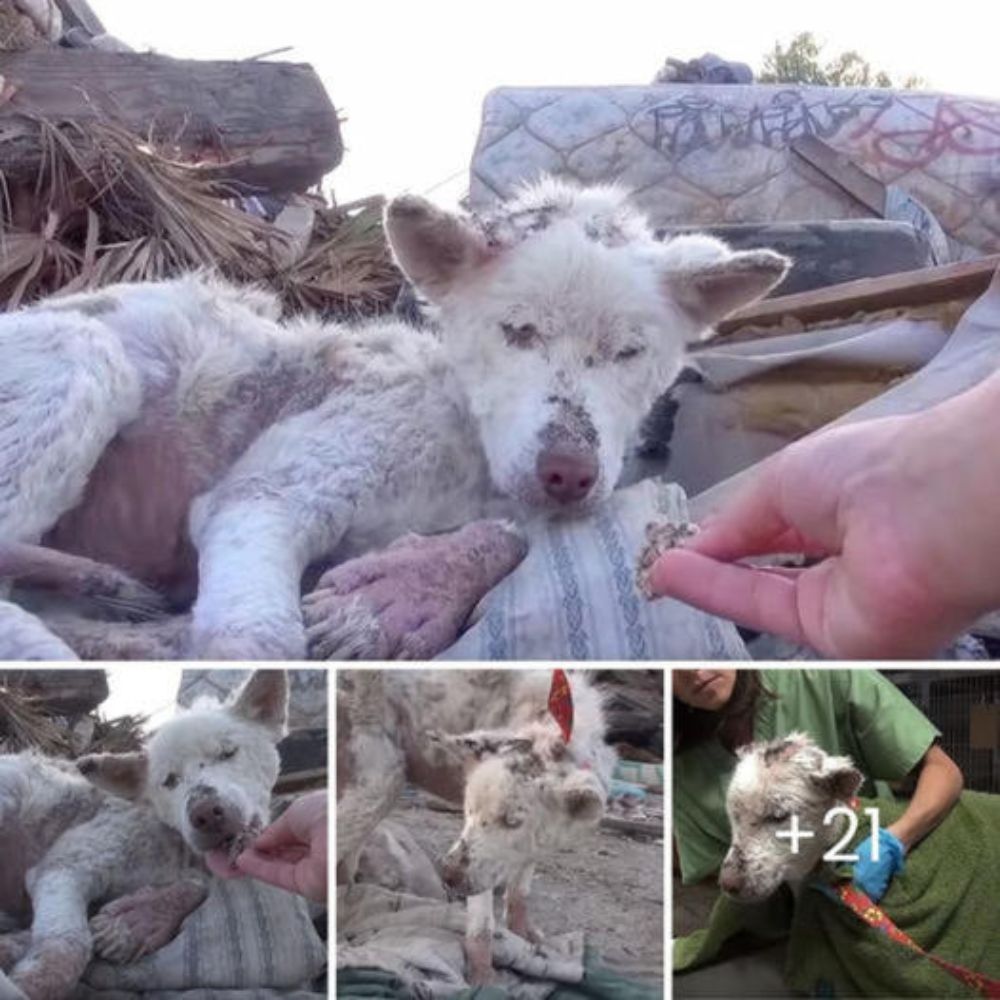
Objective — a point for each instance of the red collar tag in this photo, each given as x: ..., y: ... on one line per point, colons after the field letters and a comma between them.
x: 561, y: 702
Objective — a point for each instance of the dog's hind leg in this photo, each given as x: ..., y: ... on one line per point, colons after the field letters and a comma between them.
x: 66, y: 388
x: 25, y: 637
x: 90, y: 639
x: 110, y: 588
x: 13, y: 947
x: 60, y: 938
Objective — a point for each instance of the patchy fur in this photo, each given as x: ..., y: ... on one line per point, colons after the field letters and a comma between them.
x: 118, y: 832
x: 484, y: 738
x: 771, y: 783
x: 180, y: 433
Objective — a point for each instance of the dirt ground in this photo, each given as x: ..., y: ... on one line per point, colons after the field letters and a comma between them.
x: 691, y: 905
x: 609, y: 885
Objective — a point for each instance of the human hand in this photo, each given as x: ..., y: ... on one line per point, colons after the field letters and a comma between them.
x: 901, y: 513
x: 873, y: 877
x: 291, y: 853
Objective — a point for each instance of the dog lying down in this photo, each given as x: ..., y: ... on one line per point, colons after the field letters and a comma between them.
x: 128, y: 834
x: 527, y: 782
x: 944, y: 901
x: 177, y: 447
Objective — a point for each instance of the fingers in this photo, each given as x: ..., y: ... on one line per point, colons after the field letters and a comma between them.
x: 220, y: 865
x: 280, y: 833
x: 271, y: 870
x: 757, y: 599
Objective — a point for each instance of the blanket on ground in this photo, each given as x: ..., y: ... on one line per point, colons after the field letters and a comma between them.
x: 947, y: 899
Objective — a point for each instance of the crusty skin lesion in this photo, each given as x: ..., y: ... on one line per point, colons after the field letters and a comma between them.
x: 661, y: 537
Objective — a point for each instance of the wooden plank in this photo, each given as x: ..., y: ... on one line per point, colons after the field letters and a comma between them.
x: 274, y: 118
x: 909, y: 288
x: 843, y: 171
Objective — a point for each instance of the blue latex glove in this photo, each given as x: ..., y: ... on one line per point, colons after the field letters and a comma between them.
x: 873, y: 877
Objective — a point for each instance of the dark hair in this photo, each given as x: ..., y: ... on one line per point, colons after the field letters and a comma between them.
x: 696, y: 725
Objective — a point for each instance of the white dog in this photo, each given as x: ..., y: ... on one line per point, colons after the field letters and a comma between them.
x: 134, y: 842
x: 525, y: 788
x: 181, y: 434
x: 772, y: 783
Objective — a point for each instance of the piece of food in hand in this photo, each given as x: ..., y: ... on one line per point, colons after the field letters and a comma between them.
x: 242, y: 841
x: 661, y: 536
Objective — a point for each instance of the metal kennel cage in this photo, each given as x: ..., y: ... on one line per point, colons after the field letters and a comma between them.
x: 965, y: 706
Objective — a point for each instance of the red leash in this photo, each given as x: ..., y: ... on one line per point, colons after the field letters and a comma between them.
x: 860, y: 905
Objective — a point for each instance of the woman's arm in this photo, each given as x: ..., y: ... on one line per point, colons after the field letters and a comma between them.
x: 939, y: 784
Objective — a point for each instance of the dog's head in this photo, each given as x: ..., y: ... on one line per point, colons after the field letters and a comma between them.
x: 523, y: 793
x: 774, y: 782
x: 207, y: 773
x: 565, y: 319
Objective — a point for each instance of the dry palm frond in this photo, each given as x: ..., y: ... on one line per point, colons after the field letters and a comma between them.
x: 24, y: 727
x: 348, y: 270
x: 107, y: 207
x: 121, y: 735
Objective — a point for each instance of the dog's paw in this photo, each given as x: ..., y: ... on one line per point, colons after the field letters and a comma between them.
x: 411, y: 600
x: 133, y: 926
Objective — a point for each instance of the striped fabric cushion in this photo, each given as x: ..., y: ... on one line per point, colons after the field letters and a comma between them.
x: 247, y: 937
x: 574, y: 596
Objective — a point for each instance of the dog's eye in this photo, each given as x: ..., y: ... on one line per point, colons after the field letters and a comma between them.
x: 171, y: 781
x: 520, y: 335
x: 627, y: 353
x: 512, y: 822
x: 778, y: 817
x: 228, y: 753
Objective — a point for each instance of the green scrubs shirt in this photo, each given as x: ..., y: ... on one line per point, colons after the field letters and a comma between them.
x: 859, y: 713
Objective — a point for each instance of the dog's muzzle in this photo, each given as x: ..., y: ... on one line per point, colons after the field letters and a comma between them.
x: 214, y: 821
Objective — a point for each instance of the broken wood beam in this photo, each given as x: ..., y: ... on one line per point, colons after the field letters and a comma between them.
x: 270, y: 125
x: 906, y: 289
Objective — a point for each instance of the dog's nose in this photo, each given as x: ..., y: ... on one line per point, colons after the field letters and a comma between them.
x: 567, y: 474
x: 209, y: 816
x: 730, y: 881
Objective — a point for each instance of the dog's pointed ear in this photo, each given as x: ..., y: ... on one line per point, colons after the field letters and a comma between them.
x: 264, y: 699
x: 435, y: 249
x: 122, y: 774
x: 839, y: 778
x: 481, y: 744
x: 708, y: 281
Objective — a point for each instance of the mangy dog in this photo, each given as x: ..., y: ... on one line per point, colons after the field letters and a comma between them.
x: 128, y: 831
x: 525, y: 788
x: 771, y: 783
x: 176, y: 440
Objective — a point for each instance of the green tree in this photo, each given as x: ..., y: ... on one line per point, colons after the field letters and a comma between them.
x: 799, y: 62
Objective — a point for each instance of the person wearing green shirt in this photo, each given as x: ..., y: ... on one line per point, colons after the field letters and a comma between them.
x: 859, y: 713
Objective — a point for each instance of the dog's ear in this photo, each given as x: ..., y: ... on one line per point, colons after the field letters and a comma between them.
x: 264, y: 699
x: 122, y: 774
x: 482, y: 743
x: 708, y: 281
x: 435, y: 249
x: 582, y: 798
x: 838, y: 778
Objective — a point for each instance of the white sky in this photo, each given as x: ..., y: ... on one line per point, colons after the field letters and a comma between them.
x: 142, y: 689
x: 410, y: 75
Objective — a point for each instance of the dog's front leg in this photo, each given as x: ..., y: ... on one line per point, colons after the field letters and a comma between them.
x: 136, y: 925
x: 289, y: 499
x: 60, y: 939
x: 516, y: 905
x: 479, y: 939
